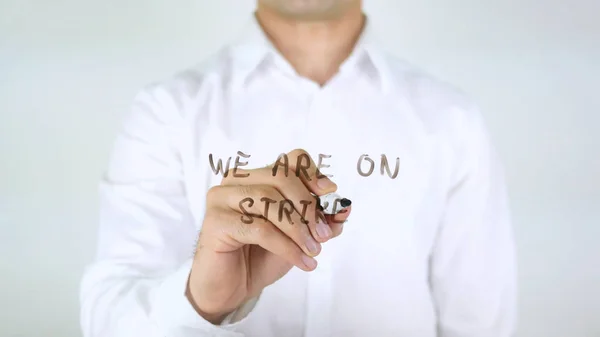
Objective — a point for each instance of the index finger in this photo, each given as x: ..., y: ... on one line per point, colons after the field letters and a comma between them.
x: 304, y: 167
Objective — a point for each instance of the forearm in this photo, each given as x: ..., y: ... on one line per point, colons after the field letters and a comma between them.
x: 119, y: 301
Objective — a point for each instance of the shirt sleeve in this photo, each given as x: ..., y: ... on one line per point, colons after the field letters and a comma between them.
x: 147, y: 235
x: 473, y: 268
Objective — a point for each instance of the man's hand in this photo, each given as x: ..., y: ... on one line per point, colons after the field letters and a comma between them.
x: 238, y: 255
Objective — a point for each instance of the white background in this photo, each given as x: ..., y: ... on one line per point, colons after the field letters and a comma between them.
x: 69, y: 68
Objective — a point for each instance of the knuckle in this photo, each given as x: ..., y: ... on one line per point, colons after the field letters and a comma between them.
x: 262, y: 190
x: 242, y: 231
x: 213, y: 192
x: 266, y: 191
x: 261, y: 229
x: 212, y: 219
x: 297, y: 152
x: 215, y: 214
x: 297, y: 232
x: 244, y: 190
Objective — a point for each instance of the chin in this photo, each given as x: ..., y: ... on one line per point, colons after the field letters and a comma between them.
x: 309, y: 9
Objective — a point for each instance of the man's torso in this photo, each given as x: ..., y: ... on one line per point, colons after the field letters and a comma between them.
x: 378, y: 268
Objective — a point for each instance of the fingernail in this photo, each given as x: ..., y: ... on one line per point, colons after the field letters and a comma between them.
x: 326, y: 184
x: 323, y: 230
x: 309, y: 261
x: 312, y: 245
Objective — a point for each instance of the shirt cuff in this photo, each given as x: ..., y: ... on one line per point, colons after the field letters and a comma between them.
x: 241, y: 313
x: 175, y: 316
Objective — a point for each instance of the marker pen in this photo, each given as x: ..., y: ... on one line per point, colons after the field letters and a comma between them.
x: 333, y: 203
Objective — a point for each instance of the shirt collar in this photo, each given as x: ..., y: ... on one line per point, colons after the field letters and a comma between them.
x: 253, y: 48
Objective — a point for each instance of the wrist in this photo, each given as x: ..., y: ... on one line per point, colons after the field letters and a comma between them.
x: 213, y: 316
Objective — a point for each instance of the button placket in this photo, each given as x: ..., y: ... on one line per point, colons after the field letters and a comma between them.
x: 319, y: 290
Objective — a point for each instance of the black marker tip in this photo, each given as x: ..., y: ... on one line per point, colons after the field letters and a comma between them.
x: 345, y: 202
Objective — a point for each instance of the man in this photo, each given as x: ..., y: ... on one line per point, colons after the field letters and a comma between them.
x: 193, y: 246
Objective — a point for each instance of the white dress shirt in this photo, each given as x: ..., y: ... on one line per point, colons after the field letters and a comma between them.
x: 429, y: 253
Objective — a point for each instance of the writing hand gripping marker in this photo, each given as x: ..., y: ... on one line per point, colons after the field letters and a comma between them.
x: 332, y: 203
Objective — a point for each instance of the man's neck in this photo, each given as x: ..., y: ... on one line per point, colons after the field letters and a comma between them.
x: 315, y: 49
